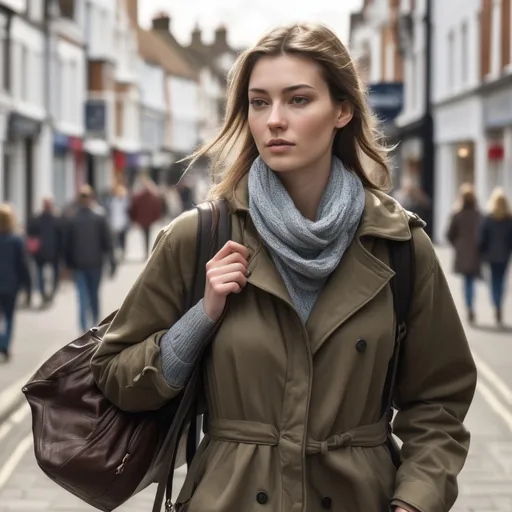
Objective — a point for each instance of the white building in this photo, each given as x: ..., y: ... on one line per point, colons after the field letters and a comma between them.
x: 460, y: 148
x: 27, y: 147
x: 100, y: 102
x: 154, y: 64
x: 67, y: 94
x: 472, y: 98
x: 412, y: 119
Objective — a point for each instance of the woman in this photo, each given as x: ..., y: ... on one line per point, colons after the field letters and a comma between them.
x: 463, y: 235
x: 14, y: 275
x: 496, y: 246
x: 297, y: 367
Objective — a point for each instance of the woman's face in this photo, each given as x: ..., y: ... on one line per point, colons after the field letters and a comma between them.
x: 292, y: 116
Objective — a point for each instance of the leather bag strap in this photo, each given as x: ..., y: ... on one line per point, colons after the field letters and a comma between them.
x: 214, y: 230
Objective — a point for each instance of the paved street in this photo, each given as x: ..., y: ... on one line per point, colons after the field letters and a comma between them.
x: 486, y: 482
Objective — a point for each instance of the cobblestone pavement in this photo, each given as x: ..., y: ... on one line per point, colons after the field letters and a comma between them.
x: 485, y: 483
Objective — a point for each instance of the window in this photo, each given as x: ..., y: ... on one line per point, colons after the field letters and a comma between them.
x: 464, y: 42
x: 414, y: 80
x: 73, y: 93
x: 67, y: 9
x: 24, y: 78
x: 451, y: 61
x: 496, y: 37
x: 3, y: 56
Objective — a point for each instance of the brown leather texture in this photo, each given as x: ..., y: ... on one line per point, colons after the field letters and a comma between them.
x: 90, y: 447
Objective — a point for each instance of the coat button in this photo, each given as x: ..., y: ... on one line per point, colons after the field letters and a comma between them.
x: 361, y: 346
x: 326, y: 503
x: 262, y: 498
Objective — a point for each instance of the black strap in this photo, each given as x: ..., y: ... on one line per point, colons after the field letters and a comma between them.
x: 401, y: 258
x: 214, y: 230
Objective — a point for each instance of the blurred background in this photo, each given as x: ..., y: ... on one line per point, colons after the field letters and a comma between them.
x: 100, y: 99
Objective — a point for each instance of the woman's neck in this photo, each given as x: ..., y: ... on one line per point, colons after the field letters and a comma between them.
x: 306, y: 189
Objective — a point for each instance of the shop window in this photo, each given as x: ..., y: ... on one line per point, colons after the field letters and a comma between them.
x: 67, y: 9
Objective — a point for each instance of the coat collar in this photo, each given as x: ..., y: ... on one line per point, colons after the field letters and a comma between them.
x: 359, y: 277
x: 382, y: 217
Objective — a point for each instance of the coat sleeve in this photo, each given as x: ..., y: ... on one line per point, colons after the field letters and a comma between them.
x: 435, y: 386
x: 127, y: 365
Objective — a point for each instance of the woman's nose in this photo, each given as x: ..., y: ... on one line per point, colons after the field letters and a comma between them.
x: 276, y: 119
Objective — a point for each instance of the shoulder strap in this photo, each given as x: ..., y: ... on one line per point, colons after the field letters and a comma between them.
x: 213, y: 231
x: 401, y: 257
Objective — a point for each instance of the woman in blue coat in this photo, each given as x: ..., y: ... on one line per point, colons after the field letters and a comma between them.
x: 14, y: 274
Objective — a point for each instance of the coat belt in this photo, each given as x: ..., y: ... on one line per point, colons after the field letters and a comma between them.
x: 250, y: 432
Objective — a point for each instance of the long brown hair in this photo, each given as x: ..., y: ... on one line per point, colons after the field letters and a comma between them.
x: 358, y: 145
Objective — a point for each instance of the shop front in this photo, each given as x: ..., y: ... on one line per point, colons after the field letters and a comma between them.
x: 21, y: 163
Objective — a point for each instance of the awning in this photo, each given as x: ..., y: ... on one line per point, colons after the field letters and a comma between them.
x: 96, y: 147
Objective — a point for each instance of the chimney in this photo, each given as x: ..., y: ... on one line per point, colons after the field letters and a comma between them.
x: 221, y: 38
x: 132, y: 8
x: 162, y: 22
x: 197, y: 37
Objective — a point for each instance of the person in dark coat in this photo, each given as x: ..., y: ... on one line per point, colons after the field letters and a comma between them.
x: 14, y: 275
x: 46, y: 233
x: 146, y: 209
x: 88, y: 247
x: 496, y: 247
x: 463, y: 236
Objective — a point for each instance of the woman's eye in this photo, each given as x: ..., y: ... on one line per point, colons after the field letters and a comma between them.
x: 257, y: 103
x: 299, y: 100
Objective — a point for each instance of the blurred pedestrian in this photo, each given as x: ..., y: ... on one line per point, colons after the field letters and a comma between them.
x: 146, y: 208
x: 412, y: 198
x: 118, y: 207
x: 296, y: 330
x: 496, y: 247
x: 14, y: 275
x: 45, y: 242
x: 463, y: 235
x: 172, y: 198
x: 88, y: 247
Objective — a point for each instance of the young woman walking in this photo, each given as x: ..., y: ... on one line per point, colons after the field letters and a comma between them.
x: 295, y: 374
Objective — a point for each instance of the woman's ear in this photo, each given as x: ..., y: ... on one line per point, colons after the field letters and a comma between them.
x: 345, y: 112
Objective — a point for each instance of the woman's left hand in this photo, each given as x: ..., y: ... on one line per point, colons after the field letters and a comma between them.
x: 400, y: 509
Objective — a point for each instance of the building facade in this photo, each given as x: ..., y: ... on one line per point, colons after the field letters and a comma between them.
x: 67, y: 78
x: 374, y: 45
x: 27, y: 137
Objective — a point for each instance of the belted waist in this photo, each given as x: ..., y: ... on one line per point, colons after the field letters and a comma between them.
x: 250, y: 432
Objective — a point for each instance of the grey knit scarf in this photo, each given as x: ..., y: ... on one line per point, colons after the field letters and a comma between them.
x: 305, y: 252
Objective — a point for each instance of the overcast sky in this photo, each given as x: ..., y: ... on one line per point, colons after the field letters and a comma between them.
x: 247, y: 20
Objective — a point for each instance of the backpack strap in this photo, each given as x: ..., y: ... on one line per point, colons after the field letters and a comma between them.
x: 402, y: 261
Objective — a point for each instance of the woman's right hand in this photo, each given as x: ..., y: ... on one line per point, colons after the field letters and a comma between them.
x: 225, y: 274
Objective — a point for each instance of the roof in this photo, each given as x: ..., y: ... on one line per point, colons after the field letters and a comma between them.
x: 153, y: 48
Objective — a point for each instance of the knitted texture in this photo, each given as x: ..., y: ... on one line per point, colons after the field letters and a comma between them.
x: 182, y: 344
x: 305, y: 252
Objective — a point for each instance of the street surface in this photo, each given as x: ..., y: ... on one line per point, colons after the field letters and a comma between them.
x: 485, y: 483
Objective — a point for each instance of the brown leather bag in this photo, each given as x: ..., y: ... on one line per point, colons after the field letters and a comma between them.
x: 90, y: 447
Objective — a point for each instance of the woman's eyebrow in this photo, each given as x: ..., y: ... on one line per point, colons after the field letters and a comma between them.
x: 286, y: 89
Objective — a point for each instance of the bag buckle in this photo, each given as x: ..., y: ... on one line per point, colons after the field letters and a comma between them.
x: 169, y: 507
x: 402, y: 331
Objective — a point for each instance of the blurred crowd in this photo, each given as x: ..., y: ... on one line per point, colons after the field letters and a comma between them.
x: 83, y: 242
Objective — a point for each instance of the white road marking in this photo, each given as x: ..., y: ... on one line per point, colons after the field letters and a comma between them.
x: 14, y: 460
x: 497, y: 383
x: 495, y: 404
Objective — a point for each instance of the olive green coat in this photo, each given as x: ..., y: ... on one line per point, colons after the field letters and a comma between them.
x: 295, y: 409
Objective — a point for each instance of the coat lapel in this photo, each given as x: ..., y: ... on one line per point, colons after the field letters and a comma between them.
x: 358, y: 279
